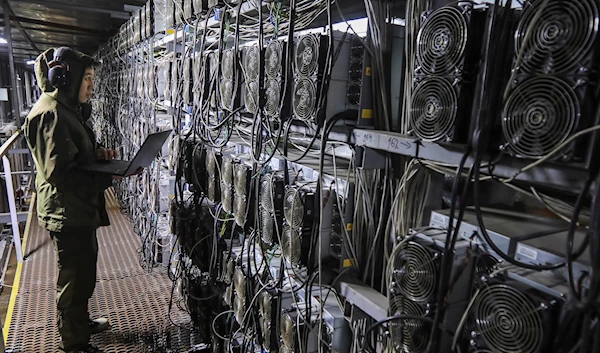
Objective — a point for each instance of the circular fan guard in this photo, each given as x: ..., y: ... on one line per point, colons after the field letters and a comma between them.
x: 307, y: 55
x: 560, y: 39
x: 266, y: 193
x: 227, y: 295
x: 226, y: 93
x: 266, y: 332
x: 267, y: 227
x: 187, y: 67
x: 293, y: 207
x: 507, y: 320
x: 433, y: 109
x: 408, y: 335
x: 486, y: 264
x: 240, y: 179
x: 415, y: 272
x: 290, y: 246
x: 442, y: 40
x: 212, y: 190
x: 251, y: 97
x: 251, y: 63
x: 211, y: 162
x: 227, y: 64
x: 239, y: 282
x: 288, y: 332
x: 227, y: 198
x: 273, y: 59
x: 273, y: 93
x: 239, y: 310
x: 239, y: 210
x: 305, y: 99
x: 230, y: 271
x: 264, y: 305
x: 539, y: 115
x: 227, y: 171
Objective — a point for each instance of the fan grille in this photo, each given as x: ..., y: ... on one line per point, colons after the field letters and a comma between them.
x: 226, y: 93
x: 293, y: 208
x: 486, y: 264
x: 267, y: 227
x: 239, y: 209
x: 539, y: 115
x: 266, y: 193
x: 241, y: 172
x: 227, y: 64
x: 227, y: 171
x: 408, y: 335
x: 251, y: 63
x: 264, y: 305
x: 290, y: 246
x: 507, y: 320
x: 239, y: 281
x: 239, y: 308
x: 560, y: 38
x: 307, y: 55
x: 265, y: 325
x: 273, y: 93
x: 305, y: 99
x: 273, y: 59
x: 230, y: 271
x: 288, y: 332
x: 227, y: 296
x: 251, y: 97
x: 442, y: 40
x: 213, y: 191
x: 227, y: 198
x: 433, y: 109
x: 415, y: 272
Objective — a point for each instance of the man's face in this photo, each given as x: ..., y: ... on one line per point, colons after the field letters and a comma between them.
x: 87, y: 85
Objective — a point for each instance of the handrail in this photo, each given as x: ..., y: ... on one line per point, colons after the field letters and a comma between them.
x: 10, y: 191
x: 11, y: 140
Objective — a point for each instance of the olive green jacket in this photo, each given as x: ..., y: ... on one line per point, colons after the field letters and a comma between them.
x: 60, y: 141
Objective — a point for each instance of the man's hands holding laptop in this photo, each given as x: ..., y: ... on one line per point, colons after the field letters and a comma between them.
x: 106, y: 154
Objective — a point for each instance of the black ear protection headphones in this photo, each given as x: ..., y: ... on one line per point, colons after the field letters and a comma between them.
x: 58, y: 70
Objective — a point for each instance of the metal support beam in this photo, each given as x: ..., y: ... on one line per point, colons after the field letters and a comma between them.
x: 21, y: 28
x: 59, y: 25
x: 124, y: 15
x: 11, y: 63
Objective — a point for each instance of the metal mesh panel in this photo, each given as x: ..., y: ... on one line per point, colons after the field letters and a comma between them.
x: 135, y: 302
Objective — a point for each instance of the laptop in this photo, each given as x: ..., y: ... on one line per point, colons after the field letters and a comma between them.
x: 142, y: 159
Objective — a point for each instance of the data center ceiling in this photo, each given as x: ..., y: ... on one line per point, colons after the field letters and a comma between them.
x: 81, y: 24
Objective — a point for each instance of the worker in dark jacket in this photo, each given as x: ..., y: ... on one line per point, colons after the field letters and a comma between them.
x: 70, y: 202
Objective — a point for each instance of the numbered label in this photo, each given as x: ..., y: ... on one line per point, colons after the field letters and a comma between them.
x: 367, y: 139
x: 395, y: 144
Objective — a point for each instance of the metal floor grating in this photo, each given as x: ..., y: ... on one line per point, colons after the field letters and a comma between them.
x: 135, y: 302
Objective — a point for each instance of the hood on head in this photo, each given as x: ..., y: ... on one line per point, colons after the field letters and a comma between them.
x: 77, y: 63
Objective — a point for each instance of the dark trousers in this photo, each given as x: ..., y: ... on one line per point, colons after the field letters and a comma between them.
x: 77, y: 254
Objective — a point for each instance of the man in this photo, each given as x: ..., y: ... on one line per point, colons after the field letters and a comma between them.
x: 70, y: 203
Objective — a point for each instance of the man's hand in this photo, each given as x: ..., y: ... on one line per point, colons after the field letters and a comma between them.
x: 106, y: 154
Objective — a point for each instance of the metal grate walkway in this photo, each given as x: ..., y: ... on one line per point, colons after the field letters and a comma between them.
x: 135, y: 302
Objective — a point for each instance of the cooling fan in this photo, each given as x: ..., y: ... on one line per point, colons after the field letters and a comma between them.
x: 251, y: 96
x: 507, y: 321
x: 273, y: 55
x: 539, y: 115
x: 265, y: 303
x: 227, y: 184
x: 199, y: 78
x: 433, y: 109
x: 267, y: 228
x: 293, y: 207
x: 226, y: 94
x: 415, y: 272
x: 273, y: 95
x: 485, y: 265
x: 561, y: 39
x: 442, y: 40
x: 213, y: 63
x: 306, y: 57
x: 305, y: 99
x: 239, y: 304
x: 212, y: 169
x: 227, y: 64
x: 252, y: 63
x: 408, y: 335
x: 242, y: 177
x: 291, y: 245
x: 288, y: 332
